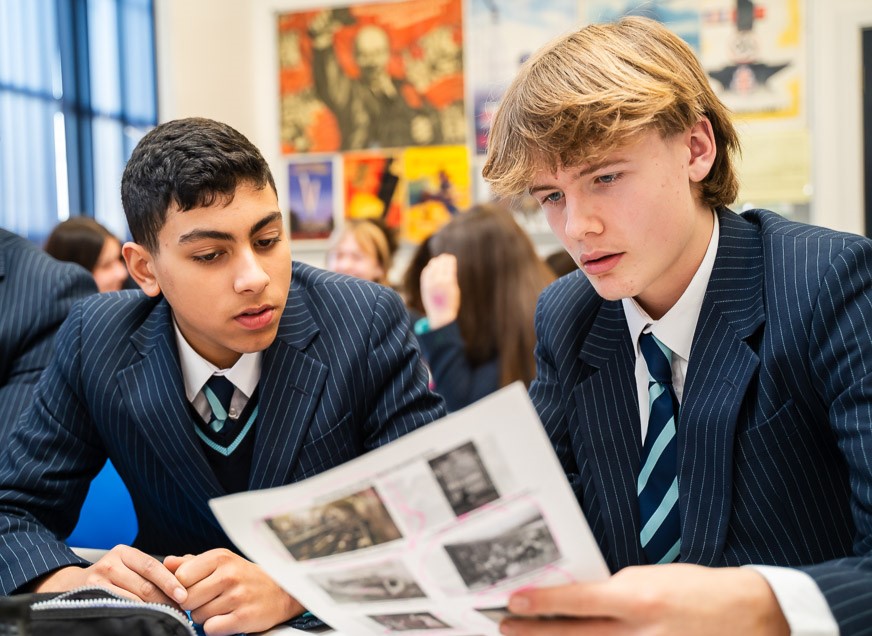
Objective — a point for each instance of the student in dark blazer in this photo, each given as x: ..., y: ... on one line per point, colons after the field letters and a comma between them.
x: 321, y: 368
x: 705, y: 379
x: 36, y: 293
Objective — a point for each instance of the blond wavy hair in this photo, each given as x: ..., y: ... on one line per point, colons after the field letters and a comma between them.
x: 591, y: 92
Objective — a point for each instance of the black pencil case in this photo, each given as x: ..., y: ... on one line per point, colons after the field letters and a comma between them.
x: 89, y: 611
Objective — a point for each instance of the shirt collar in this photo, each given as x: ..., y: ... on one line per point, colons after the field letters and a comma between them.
x: 677, y: 326
x: 196, y: 370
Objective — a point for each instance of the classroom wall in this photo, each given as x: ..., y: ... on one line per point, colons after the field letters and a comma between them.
x: 217, y: 58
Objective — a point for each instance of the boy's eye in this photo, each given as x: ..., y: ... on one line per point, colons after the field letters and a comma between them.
x: 553, y: 197
x: 607, y: 178
x: 267, y: 242
x: 207, y: 258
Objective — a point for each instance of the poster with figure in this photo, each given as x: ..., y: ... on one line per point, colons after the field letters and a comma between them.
x: 311, y: 190
x: 681, y: 16
x: 753, y: 51
x: 374, y: 186
x: 438, y: 185
x: 372, y: 76
x: 509, y: 30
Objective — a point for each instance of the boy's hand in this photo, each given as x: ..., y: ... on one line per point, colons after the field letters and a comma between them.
x: 228, y: 594
x: 124, y: 570
x: 663, y: 599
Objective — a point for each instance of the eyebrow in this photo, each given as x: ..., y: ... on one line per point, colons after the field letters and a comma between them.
x: 215, y: 235
x: 594, y: 167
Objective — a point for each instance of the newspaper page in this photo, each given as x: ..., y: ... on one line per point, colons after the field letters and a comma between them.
x: 429, y: 533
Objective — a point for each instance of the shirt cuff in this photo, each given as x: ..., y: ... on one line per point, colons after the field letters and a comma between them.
x: 801, y: 601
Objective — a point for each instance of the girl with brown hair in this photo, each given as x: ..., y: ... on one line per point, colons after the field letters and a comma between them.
x: 479, y: 294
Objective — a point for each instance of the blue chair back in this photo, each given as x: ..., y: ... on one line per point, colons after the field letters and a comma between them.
x: 107, y: 516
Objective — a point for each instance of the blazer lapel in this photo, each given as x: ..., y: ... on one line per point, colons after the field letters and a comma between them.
x: 153, y: 391
x: 610, y: 430
x: 291, y: 385
x: 722, y: 365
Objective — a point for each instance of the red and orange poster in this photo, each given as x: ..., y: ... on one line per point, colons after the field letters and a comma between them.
x: 372, y: 76
x: 374, y: 187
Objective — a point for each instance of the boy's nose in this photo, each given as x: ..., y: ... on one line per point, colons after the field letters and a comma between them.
x: 581, y: 221
x: 251, y: 276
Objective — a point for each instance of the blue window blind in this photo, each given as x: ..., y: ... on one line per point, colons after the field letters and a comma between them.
x: 77, y: 91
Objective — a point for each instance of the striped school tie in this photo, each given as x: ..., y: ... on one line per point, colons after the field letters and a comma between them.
x: 658, y: 478
x: 219, y: 392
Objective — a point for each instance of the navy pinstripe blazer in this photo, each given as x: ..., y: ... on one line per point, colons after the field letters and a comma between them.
x: 36, y: 293
x: 343, y: 376
x: 775, y: 427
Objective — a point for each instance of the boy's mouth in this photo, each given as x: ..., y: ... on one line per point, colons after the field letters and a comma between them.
x: 599, y: 263
x: 256, y: 317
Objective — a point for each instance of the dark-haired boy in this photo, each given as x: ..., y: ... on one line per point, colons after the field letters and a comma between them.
x: 705, y: 378
x: 321, y: 368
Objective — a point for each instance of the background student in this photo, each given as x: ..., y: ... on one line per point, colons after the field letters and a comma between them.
x: 230, y: 371
x: 36, y: 293
x: 363, y: 248
x: 479, y: 294
x: 84, y: 241
x: 706, y: 382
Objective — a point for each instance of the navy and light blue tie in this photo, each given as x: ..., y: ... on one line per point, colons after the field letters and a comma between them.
x: 658, y: 477
x: 218, y: 392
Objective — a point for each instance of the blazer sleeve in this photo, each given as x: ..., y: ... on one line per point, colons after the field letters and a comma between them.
x: 841, y: 355
x: 45, y: 469
x: 49, y: 302
x: 396, y: 376
x: 456, y: 380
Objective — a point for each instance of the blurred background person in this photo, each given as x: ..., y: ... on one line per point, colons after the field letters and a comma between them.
x: 561, y: 263
x: 36, y: 293
x: 84, y: 241
x: 363, y: 248
x: 411, y: 283
x: 479, y: 294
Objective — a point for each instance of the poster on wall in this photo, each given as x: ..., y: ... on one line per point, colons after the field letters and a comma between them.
x: 374, y: 186
x: 311, y: 190
x: 512, y: 30
x: 371, y: 76
x: 753, y: 52
x: 438, y: 185
x: 681, y: 16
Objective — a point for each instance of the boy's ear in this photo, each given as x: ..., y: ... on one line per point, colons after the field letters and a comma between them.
x: 140, y: 265
x: 703, y: 150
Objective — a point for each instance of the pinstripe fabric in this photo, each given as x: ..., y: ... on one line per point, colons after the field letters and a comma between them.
x: 343, y: 376
x: 36, y: 293
x: 775, y: 429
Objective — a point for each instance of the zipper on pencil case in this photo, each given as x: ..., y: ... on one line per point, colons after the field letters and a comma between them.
x: 66, y: 605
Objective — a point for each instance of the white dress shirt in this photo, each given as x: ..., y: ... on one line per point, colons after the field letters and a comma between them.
x: 801, y: 600
x: 196, y: 370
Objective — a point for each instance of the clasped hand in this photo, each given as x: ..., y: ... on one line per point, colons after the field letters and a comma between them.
x: 223, y: 591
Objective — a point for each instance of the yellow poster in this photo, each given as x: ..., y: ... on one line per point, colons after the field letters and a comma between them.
x: 438, y: 186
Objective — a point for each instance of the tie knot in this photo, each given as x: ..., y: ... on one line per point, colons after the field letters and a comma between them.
x: 222, y: 390
x: 658, y: 357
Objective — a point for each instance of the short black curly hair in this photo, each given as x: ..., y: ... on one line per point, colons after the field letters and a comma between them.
x: 186, y: 163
